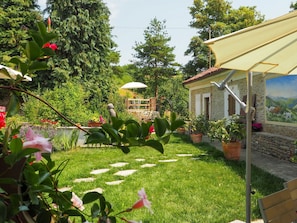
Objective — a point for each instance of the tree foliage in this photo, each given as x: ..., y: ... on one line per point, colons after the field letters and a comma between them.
x: 155, y: 57
x: 16, y: 17
x: 213, y: 18
x: 84, y: 45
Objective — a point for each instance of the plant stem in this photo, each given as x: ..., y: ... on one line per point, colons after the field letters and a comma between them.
x: 45, y: 102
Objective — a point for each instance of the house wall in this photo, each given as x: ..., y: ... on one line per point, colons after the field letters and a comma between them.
x: 276, y: 139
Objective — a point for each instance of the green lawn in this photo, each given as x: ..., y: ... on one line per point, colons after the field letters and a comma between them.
x: 206, y: 189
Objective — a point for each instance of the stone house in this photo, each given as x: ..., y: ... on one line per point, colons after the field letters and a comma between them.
x: 276, y: 138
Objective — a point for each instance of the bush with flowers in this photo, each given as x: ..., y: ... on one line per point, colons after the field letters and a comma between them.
x: 29, y: 178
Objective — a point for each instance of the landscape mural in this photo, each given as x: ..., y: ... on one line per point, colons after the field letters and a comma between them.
x: 281, y: 99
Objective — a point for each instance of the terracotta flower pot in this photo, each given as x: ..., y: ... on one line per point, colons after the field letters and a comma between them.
x: 232, y: 150
x: 196, y: 137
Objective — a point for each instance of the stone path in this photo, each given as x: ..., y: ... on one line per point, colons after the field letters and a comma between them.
x: 121, y: 173
x: 128, y: 172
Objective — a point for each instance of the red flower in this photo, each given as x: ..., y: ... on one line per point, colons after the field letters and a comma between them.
x: 53, y: 46
x: 2, y: 119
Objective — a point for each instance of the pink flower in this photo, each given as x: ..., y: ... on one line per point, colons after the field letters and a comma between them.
x: 101, y: 119
x: 77, y: 202
x: 37, y: 142
x: 143, y: 201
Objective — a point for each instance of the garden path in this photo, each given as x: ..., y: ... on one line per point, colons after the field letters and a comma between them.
x: 128, y: 172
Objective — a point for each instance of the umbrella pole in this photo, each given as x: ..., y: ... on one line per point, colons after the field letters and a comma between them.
x: 248, y: 145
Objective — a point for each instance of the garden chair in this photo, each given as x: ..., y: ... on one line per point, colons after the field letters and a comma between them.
x: 278, y: 207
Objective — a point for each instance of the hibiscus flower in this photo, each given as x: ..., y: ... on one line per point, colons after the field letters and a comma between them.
x: 37, y: 142
x: 143, y: 201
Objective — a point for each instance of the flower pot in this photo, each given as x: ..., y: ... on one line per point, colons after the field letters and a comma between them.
x: 232, y: 150
x: 94, y: 124
x: 181, y: 130
x: 196, y: 137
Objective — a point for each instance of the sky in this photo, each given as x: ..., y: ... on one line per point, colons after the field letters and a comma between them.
x: 129, y: 19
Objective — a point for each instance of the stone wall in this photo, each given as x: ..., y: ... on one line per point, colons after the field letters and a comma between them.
x: 279, y: 146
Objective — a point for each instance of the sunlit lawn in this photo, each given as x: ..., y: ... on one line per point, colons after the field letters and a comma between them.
x: 204, y: 189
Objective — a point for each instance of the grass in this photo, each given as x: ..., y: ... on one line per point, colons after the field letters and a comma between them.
x: 206, y: 189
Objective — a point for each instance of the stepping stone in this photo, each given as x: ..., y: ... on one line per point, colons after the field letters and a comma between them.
x: 125, y: 173
x: 183, y: 155
x: 115, y: 182
x: 167, y: 161
x: 148, y: 165
x: 89, y: 179
x: 99, y: 171
x: 120, y: 164
x: 63, y: 189
x: 140, y: 160
x: 99, y: 190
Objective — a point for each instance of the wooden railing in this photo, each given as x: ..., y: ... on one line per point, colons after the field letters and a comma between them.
x: 141, y: 104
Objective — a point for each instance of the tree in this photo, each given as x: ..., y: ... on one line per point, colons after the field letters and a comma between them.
x: 84, y: 51
x: 16, y: 17
x: 213, y: 18
x: 293, y: 6
x: 155, y: 57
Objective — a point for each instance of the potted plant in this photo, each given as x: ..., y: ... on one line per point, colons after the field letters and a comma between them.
x: 230, y: 131
x: 198, y: 127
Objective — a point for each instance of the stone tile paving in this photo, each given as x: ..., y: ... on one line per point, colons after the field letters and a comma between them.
x: 99, y: 171
x: 88, y: 179
x: 119, y: 164
x: 63, y: 189
x: 167, y: 161
x: 125, y: 173
x: 116, y: 182
x: 184, y: 155
x: 148, y: 165
x: 98, y: 189
x: 140, y: 160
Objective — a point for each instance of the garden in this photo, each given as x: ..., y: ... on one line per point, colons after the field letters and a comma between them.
x: 48, y: 179
x: 197, y: 184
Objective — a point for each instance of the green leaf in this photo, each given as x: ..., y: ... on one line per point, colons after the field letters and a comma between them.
x: 176, y: 124
x: 44, y: 217
x: 172, y: 117
x: 91, y: 197
x: 13, y: 105
x: 72, y: 212
x: 16, y: 145
x: 43, y: 177
x: 165, y: 139
x: 125, y: 149
x: 160, y: 126
x: 133, y: 130
x: 111, y: 132
x: 95, y: 210
x: 37, y: 65
x: 32, y: 50
x: 145, y: 128
x: 156, y: 145
x: 3, y: 211
x: 97, y: 137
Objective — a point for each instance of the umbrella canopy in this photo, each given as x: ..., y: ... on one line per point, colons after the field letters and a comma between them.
x: 266, y: 47
x: 133, y: 85
x: 5, y: 72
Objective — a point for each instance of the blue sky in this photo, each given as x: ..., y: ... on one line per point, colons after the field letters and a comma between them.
x: 131, y: 17
x: 275, y: 87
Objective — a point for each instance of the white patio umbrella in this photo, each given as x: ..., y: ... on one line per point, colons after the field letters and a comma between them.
x: 7, y: 73
x: 268, y: 47
x: 133, y: 85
